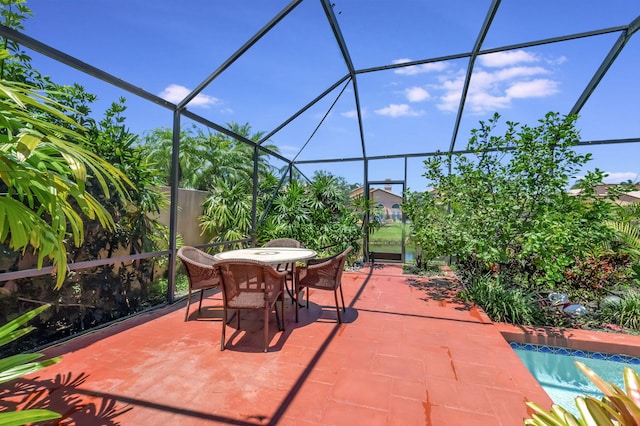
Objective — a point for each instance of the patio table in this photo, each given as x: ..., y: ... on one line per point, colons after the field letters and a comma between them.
x: 272, y: 256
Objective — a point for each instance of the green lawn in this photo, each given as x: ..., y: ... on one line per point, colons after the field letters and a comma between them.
x: 388, y: 239
x: 390, y: 231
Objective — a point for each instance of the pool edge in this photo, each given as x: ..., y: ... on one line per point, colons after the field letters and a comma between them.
x: 586, y: 340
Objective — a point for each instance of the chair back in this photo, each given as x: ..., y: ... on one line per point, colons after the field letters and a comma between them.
x: 248, y: 284
x: 340, y: 260
x: 284, y: 242
x: 199, y: 267
x: 329, y: 270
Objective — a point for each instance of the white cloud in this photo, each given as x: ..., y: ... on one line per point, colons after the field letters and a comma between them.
x: 503, y: 59
x: 452, y: 88
x: 495, y: 89
x: 533, y: 89
x: 480, y: 102
x: 416, y: 94
x: 498, y: 80
x: 288, y: 149
x: 395, y: 110
x: 557, y: 61
x: 617, y: 177
x: 354, y: 113
x: 176, y: 93
x: 517, y: 72
x: 418, y: 69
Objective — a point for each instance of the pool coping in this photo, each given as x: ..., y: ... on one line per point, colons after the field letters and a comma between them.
x: 570, y: 338
x: 579, y: 353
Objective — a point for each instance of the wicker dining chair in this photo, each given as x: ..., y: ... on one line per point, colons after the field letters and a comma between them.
x: 323, y: 274
x: 283, y: 242
x: 288, y: 267
x: 251, y: 285
x: 200, y: 271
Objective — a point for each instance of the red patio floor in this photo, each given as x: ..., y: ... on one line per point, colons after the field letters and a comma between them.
x: 407, y: 354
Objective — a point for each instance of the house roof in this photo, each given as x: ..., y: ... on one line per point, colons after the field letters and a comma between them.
x: 372, y: 191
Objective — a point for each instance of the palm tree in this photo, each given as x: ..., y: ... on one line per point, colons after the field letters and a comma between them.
x: 207, y: 159
x: 227, y: 213
x: 158, y: 145
x: 627, y: 224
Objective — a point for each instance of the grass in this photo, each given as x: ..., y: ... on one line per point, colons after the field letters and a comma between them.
x: 388, y: 239
x: 391, y: 231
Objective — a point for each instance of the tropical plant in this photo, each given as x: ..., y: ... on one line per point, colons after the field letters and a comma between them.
x: 314, y: 213
x: 207, y: 160
x: 16, y: 366
x: 43, y: 175
x: 227, y: 213
x: 617, y: 407
x: 365, y: 209
x: 627, y: 222
x: 136, y: 226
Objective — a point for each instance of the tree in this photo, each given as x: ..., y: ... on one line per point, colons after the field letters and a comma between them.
x: 315, y: 214
x: 508, y: 205
x: 207, y: 159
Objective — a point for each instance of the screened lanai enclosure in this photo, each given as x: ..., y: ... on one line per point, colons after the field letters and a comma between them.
x: 362, y: 90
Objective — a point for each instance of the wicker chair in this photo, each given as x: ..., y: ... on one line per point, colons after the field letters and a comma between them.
x: 199, y: 267
x: 323, y: 274
x: 251, y: 285
x: 284, y: 242
x: 288, y: 267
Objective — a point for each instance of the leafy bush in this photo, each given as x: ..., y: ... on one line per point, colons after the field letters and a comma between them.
x: 592, y: 277
x: 625, y: 313
x: 507, y: 201
x: 500, y: 303
x: 316, y: 214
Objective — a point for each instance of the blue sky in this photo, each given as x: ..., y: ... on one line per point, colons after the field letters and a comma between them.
x: 169, y: 47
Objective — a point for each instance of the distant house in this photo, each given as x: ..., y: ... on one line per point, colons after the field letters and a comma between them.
x: 386, y: 202
x: 622, y: 199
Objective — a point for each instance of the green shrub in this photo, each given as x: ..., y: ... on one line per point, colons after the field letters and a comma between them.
x: 625, y: 313
x: 502, y: 304
x: 591, y: 278
x: 158, y: 288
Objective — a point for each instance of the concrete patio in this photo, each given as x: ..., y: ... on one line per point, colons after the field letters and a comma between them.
x: 407, y: 354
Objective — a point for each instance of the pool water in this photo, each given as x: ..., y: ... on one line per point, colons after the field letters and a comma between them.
x: 555, y: 370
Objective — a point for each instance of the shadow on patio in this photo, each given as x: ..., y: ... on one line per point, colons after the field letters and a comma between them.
x: 407, y: 353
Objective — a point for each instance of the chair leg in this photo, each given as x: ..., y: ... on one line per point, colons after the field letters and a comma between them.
x: 266, y: 327
x: 335, y: 296
x: 186, y: 316
x: 200, y: 305
x: 344, y: 309
x: 293, y: 285
x: 224, y: 327
x: 275, y: 309
x: 284, y: 326
x: 296, y: 291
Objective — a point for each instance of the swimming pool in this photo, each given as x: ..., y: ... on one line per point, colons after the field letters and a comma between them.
x: 555, y: 370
